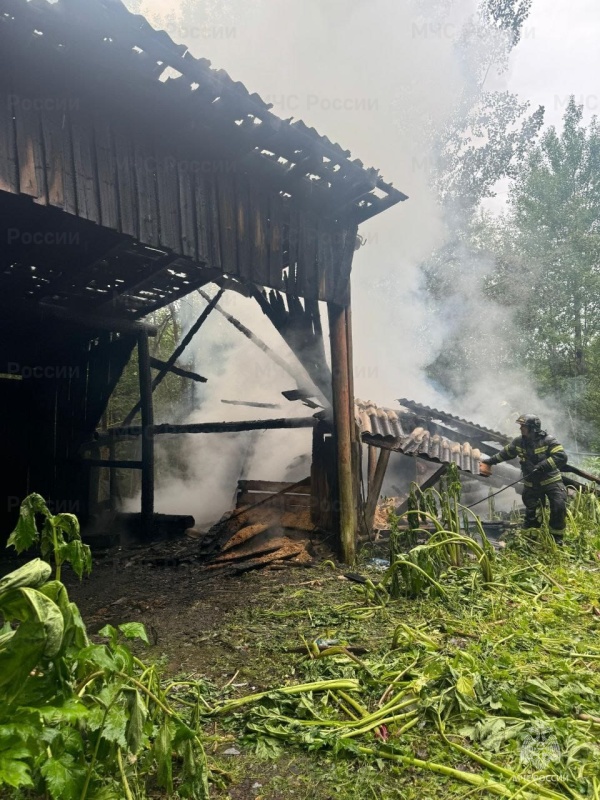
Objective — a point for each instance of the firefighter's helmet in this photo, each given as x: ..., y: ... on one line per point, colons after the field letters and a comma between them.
x: 530, y: 421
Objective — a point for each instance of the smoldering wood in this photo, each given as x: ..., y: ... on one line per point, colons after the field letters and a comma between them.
x: 375, y: 488
x: 178, y: 351
x: 323, y: 477
x: 296, y: 394
x: 286, y: 366
x: 156, y: 363
x: 300, y: 327
x: 209, y: 427
x: 250, y: 403
x: 147, y: 433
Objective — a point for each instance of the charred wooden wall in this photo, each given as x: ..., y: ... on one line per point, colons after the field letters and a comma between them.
x: 110, y: 160
x: 54, y: 386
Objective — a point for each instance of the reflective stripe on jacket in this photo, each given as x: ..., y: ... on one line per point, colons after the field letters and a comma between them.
x: 541, y: 451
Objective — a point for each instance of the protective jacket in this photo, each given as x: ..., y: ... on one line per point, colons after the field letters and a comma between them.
x: 540, y: 452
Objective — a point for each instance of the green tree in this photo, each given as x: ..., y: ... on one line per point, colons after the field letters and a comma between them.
x: 546, y: 266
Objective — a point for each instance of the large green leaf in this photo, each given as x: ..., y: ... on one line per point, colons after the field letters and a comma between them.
x: 68, y: 524
x: 63, y: 776
x: 26, y: 603
x: 19, y: 657
x: 26, y: 533
x: 33, y: 574
x: 115, y: 726
x: 14, y: 772
x: 138, y: 712
x: 163, y: 754
x: 134, y: 630
x: 74, y: 627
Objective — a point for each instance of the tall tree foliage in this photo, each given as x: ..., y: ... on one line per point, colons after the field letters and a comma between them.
x: 547, y: 252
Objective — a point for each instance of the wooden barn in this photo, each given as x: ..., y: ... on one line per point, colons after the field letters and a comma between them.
x: 132, y: 173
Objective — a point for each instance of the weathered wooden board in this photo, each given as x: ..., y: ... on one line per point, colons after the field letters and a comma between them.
x: 214, y: 231
x: 128, y: 201
x: 227, y: 223
x: 145, y: 168
x: 107, y: 173
x: 84, y: 160
x: 187, y: 210
x: 9, y: 173
x: 260, y: 239
x: 32, y: 171
x: 243, y: 227
x: 202, y: 205
x: 168, y: 199
x: 276, y: 222
x: 53, y: 134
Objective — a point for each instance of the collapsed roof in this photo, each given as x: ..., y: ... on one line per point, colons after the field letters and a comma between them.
x: 419, y: 430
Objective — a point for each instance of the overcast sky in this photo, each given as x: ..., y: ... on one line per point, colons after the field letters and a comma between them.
x: 559, y: 55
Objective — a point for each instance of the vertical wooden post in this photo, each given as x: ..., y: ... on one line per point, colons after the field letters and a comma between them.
x: 375, y: 488
x: 371, y: 465
x: 343, y: 422
x: 145, y: 378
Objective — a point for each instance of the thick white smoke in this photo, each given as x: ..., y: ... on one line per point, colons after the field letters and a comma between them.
x: 377, y: 76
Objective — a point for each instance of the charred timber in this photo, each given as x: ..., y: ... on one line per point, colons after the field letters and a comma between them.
x: 156, y: 363
x: 147, y: 430
x: 210, y: 427
x: 250, y: 403
x: 177, y: 352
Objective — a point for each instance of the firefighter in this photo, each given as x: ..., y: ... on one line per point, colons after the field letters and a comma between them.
x: 542, y: 458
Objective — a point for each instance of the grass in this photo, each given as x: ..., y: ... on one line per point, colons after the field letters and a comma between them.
x: 492, y: 667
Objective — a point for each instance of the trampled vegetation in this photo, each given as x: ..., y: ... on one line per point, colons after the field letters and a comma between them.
x: 470, y: 671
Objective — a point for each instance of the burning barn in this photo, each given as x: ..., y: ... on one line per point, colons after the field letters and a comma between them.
x: 131, y: 174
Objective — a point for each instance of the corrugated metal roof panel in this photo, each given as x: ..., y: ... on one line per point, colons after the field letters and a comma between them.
x: 417, y: 408
x: 398, y: 430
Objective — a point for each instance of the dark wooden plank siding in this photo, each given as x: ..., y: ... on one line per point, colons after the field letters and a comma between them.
x: 128, y: 210
x: 107, y: 174
x: 202, y: 204
x: 32, y: 171
x: 9, y: 174
x: 260, y: 239
x: 145, y: 168
x: 307, y: 271
x: 187, y: 210
x: 53, y: 122
x: 243, y: 227
x: 275, y: 240
x: 227, y: 223
x: 325, y: 273
x: 214, y: 228
x: 84, y: 159
x: 80, y: 161
x: 168, y: 201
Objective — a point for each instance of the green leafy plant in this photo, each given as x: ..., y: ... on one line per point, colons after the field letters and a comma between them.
x: 79, y: 719
x: 419, y: 570
x: 59, y: 537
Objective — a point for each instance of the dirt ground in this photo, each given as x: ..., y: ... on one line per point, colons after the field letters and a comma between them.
x: 195, y: 621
